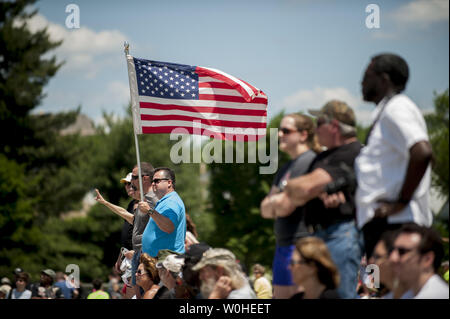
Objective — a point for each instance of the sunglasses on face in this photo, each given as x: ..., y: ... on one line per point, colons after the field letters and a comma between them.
x: 286, y: 131
x: 137, y: 176
x: 158, y: 180
x: 139, y: 272
x: 402, y: 250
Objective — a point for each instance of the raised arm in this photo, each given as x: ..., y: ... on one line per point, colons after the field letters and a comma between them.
x: 122, y: 212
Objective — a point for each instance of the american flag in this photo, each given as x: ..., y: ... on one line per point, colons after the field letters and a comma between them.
x: 199, y: 100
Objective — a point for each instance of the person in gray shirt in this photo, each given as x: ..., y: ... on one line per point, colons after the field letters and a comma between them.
x: 138, y: 219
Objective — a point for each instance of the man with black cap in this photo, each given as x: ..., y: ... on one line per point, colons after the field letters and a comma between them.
x: 191, y: 278
x: 332, y: 217
x: 46, y: 289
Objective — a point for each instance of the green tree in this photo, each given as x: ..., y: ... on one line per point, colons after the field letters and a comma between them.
x: 38, y: 179
x: 235, y: 193
x: 23, y: 74
x: 437, y: 124
x: 18, y: 233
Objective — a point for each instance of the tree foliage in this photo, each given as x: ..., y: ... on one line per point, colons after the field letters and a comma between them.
x: 437, y: 124
x: 23, y: 74
x: 235, y: 194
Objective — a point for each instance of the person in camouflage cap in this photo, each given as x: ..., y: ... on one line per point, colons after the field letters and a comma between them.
x: 340, y: 111
x: 221, y: 277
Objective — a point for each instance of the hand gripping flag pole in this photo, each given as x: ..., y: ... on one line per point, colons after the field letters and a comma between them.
x: 134, y: 109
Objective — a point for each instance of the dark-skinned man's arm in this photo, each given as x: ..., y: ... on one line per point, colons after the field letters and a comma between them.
x: 420, y: 155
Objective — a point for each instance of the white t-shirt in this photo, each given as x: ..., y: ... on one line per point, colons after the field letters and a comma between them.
x: 26, y: 294
x: 434, y: 288
x: 381, y: 165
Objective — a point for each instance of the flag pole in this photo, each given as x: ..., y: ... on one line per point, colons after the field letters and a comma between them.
x: 132, y: 82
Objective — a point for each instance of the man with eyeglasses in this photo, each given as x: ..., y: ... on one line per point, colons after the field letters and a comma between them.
x: 390, y: 287
x: 166, y: 228
x: 127, y: 228
x: 139, y: 219
x: 332, y: 217
x: 169, y: 270
x: 416, y: 257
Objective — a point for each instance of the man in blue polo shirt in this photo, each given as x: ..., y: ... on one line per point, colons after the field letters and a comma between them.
x: 166, y: 228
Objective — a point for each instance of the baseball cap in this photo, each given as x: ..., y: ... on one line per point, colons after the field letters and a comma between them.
x: 5, y: 289
x: 215, y: 256
x: 338, y: 110
x: 172, y: 263
x: 126, y: 179
x: 194, y: 253
x: 18, y: 270
x: 50, y: 273
x: 162, y: 255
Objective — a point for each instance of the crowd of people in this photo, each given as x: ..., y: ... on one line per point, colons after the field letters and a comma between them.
x: 337, y: 205
x: 350, y: 195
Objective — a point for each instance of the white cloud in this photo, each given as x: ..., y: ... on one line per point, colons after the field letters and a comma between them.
x: 119, y: 91
x: 83, y: 49
x: 422, y: 12
x: 303, y: 100
x: 317, y: 97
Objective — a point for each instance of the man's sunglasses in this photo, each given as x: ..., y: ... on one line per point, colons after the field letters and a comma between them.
x: 286, y: 131
x: 402, y: 250
x: 158, y: 180
x: 136, y: 176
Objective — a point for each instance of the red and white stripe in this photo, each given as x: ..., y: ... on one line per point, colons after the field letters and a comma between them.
x: 227, y: 108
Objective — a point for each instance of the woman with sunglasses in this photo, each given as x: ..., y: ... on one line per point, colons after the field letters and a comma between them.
x: 297, y: 139
x: 313, y: 269
x: 147, y: 277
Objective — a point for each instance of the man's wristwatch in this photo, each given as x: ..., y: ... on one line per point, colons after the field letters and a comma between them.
x: 151, y: 211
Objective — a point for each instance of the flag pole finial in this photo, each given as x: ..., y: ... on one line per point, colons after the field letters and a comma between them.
x: 126, y: 46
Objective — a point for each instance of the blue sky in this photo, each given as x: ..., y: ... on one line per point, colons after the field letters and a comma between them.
x: 300, y: 53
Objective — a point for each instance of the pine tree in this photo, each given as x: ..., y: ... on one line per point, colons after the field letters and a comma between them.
x: 23, y: 74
